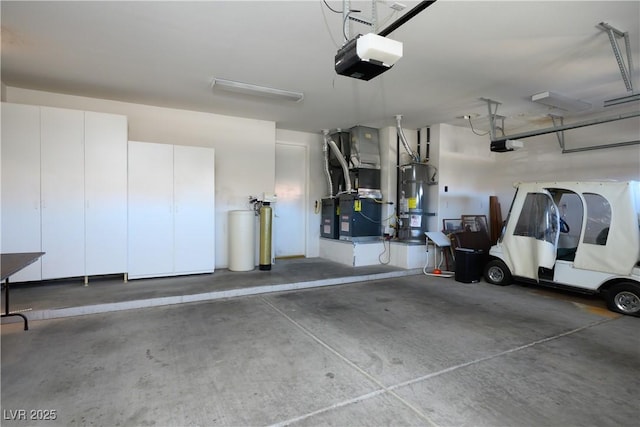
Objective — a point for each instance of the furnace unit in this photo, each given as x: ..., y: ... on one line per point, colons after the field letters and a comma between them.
x: 329, y: 226
x: 359, y: 217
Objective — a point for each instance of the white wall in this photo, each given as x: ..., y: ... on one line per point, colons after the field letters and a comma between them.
x: 245, y: 159
x: 466, y: 166
x: 472, y: 172
x: 245, y: 148
x: 542, y: 159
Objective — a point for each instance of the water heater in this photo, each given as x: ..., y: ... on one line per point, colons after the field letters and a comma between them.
x: 412, y: 210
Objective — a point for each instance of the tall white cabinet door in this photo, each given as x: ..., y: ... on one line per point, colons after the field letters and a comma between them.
x: 194, y: 219
x: 62, y: 192
x: 150, y: 209
x: 105, y: 142
x: 20, y: 153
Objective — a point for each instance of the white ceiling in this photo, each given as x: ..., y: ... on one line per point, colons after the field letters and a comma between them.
x: 166, y: 53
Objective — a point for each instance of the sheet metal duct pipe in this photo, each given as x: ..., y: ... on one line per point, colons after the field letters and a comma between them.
x: 565, y: 127
x: 414, y: 157
x: 406, y: 17
x: 325, y: 149
x: 340, y: 157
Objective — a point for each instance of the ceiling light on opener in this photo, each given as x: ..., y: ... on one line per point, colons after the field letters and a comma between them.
x: 251, y: 89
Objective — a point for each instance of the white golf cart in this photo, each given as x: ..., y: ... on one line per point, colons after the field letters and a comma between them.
x: 584, y: 236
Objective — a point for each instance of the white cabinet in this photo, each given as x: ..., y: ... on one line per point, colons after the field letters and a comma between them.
x: 64, y: 190
x: 105, y: 187
x: 171, y: 210
x: 150, y: 209
x: 20, y: 154
x: 194, y: 225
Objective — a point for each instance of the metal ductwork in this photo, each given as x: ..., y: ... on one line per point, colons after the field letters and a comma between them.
x: 414, y: 156
x: 325, y: 150
x: 343, y: 163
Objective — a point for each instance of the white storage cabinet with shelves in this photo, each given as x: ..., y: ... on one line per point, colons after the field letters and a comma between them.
x: 20, y: 153
x: 105, y: 187
x: 171, y: 210
x: 64, y: 190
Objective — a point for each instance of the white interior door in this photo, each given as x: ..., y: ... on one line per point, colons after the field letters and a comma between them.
x: 289, y: 229
x: 194, y: 216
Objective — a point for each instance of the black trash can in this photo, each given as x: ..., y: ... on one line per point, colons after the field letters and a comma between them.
x: 468, y: 265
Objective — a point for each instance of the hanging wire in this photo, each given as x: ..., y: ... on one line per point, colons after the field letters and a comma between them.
x: 328, y: 27
x: 330, y: 8
x: 474, y: 131
x: 385, y: 249
x: 374, y: 221
x: 344, y: 24
x: 346, y: 18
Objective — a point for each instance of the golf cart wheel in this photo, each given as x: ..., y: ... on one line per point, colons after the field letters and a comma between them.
x: 624, y: 298
x: 497, y: 273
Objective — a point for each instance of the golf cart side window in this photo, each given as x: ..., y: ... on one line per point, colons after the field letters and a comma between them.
x: 598, y: 219
x: 538, y: 218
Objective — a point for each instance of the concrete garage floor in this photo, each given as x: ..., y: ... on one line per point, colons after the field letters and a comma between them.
x: 64, y: 298
x: 407, y: 350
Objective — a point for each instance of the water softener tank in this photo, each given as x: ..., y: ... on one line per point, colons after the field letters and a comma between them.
x: 241, y: 240
x: 412, y: 210
x: 265, y: 237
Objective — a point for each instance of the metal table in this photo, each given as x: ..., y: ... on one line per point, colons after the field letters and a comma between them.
x: 10, y: 264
